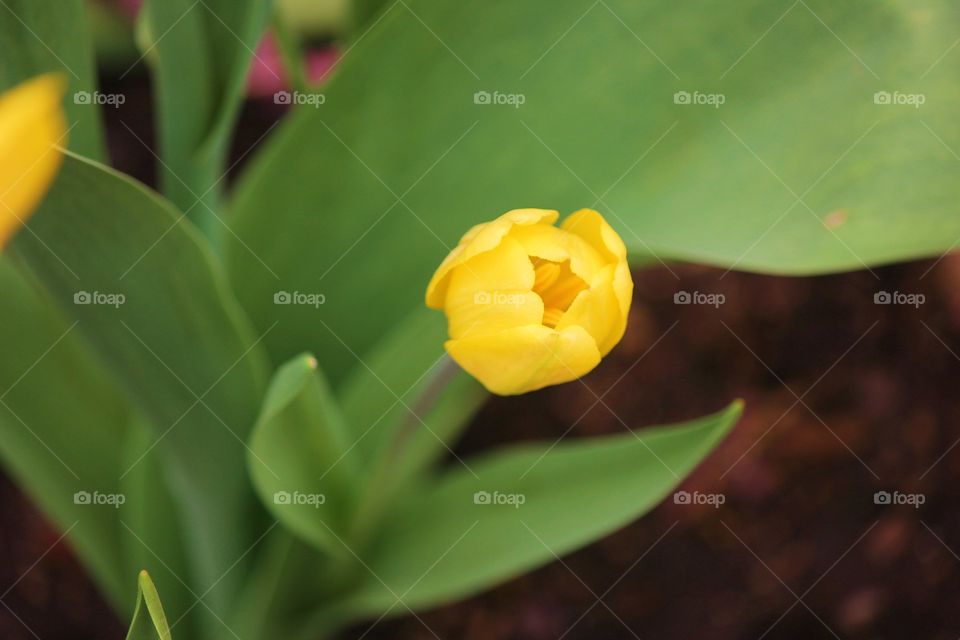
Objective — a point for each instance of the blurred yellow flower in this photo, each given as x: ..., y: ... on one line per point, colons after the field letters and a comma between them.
x: 529, y: 304
x: 32, y: 125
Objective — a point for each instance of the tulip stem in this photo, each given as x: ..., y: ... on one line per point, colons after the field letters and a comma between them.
x: 426, y: 401
x: 382, y: 485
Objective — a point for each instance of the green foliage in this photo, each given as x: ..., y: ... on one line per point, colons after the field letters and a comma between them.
x: 149, y: 620
x: 138, y: 364
x: 53, y: 35
x: 300, y: 456
x: 173, y: 338
x: 407, y: 383
x: 455, y: 539
x: 153, y: 532
x: 61, y: 424
x: 201, y: 53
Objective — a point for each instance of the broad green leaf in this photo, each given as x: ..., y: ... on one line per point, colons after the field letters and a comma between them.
x: 202, y: 52
x: 113, y: 39
x: 515, y: 509
x: 599, y: 126
x: 149, y: 620
x: 288, y: 578
x: 61, y: 427
x: 364, y: 13
x: 301, y: 459
x: 149, y: 297
x: 38, y: 36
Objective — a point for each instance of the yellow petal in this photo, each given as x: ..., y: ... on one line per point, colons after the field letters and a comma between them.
x: 491, y: 292
x: 598, y: 311
x: 32, y: 124
x: 554, y: 244
x: 526, y: 358
x: 590, y: 225
x: 479, y: 239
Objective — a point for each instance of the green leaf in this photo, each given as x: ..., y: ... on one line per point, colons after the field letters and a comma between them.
x: 202, y: 52
x: 300, y: 456
x: 149, y: 621
x: 38, y: 36
x: 455, y: 540
x: 61, y: 425
x: 599, y: 127
x: 364, y: 13
x: 148, y: 296
x: 315, y: 17
x: 154, y: 534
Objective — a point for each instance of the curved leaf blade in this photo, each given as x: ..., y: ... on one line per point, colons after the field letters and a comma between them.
x: 300, y: 456
x: 172, y: 337
x: 61, y: 425
x: 455, y: 539
x: 149, y: 620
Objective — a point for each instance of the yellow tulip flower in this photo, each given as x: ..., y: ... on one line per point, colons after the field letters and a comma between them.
x: 529, y: 304
x: 32, y: 125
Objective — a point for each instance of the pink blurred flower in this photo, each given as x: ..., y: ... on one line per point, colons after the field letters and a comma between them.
x: 267, y: 74
x: 130, y: 7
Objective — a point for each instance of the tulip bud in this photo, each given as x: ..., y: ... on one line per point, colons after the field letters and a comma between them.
x: 529, y: 304
x: 32, y: 124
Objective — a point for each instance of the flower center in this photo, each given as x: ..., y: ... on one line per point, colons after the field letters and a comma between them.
x: 557, y: 286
